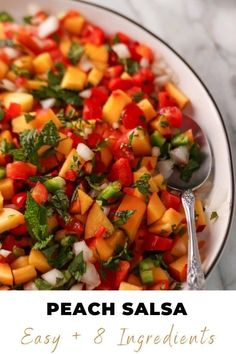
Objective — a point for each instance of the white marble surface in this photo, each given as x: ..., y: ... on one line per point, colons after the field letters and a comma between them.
x: 203, y: 32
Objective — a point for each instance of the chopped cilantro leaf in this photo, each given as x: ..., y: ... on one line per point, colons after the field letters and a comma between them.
x: 77, y: 267
x: 143, y: 184
x: 5, y: 17
x: 130, y: 66
x: 122, y: 253
x: 29, y: 117
x: 36, y: 221
x: 6, y: 43
x: 137, y: 97
x: 20, y: 71
x: 214, y: 215
x: 60, y: 203
x: 27, y: 19
x: 187, y: 171
x: 32, y: 140
x: 121, y: 217
x: 75, y: 52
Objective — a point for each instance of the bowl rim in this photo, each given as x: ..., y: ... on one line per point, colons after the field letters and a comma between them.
x: 230, y: 158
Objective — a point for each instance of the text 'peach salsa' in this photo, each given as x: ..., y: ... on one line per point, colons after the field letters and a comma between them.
x: 89, y: 133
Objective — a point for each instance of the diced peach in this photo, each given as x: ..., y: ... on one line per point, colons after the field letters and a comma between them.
x: 115, y: 105
x: 39, y: 261
x: 20, y: 262
x: 7, y: 188
x: 148, y: 109
x: 127, y: 286
x: 74, y: 79
x: 155, y: 209
x: 6, y: 277
x: 177, y: 94
x: 132, y: 203
x: 10, y: 218
x: 96, y: 218
x: 74, y: 24
x: 43, y: 63
x: 24, y: 274
x: 159, y: 274
x: 178, y: 268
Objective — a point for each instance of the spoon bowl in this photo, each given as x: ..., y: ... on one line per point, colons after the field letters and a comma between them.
x: 195, y: 274
x: 202, y: 174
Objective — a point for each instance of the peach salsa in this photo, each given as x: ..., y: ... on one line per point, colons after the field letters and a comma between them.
x: 90, y: 129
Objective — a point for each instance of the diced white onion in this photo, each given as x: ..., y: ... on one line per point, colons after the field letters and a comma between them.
x: 106, y: 210
x: 115, y: 125
x: 180, y: 155
x: 8, y: 85
x: 161, y: 80
x: 11, y: 53
x: 93, y: 193
x: 91, y: 277
x: 144, y: 63
x: 85, y: 64
x: 103, y: 186
x: 88, y: 131
x: 48, y: 103
x: 78, y: 286
x: 33, y: 9
x: 82, y: 247
x: 166, y: 168
x: 121, y: 50
x: 30, y: 286
x: 85, y: 152
x: 47, y: 27
x: 52, y: 276
x: 156, y: 151
x: 4, y: 253
x: 11, y: 206
x: 85, y: 93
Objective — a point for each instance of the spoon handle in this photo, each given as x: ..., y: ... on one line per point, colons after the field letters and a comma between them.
x: 195, y: 275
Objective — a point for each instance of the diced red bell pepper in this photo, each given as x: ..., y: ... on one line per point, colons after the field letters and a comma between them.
x: 75, y: 226
x: 120, y: 147
x: 70, y: 175
x: 123, y: 37
x: 76, y: 138
x: 93, y: 139
x: 133, y: 52
x: 113, y: 58
x: 144, y: 78
x: 19, y: 230
x: 9, y: 259
x: 153, y: 242
x: 100, y: 94
x: 114, y: 71
x: 10, y: 241
x: 121, y: 273
x: 170, y: 200
x: 100, y: 167
x: 14, y: 110
x: 20, y: 170
x: 121, y: 171
x: 173, y: 115
x: 92, y: 34
x: 40, y: 193
x: 120, y: 84
x: 28, y: 41
x: 133, y: 116
x: 92, y: 109
x: 165, y: 100
x: 19, y: 199
x: 100, y: 232
x: 69, y: 189
x: 161, y: 285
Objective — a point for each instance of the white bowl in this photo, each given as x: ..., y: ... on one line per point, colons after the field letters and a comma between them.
x: 203, y: 109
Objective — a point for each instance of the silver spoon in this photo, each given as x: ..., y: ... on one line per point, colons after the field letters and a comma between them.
x: 195, y: 274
